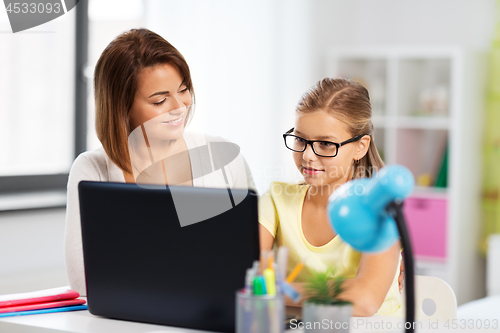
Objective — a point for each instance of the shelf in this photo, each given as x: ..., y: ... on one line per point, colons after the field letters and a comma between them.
x: 428, y: 104
x: 437, y: 123
x: 379, y: 121
x: 429, y: 86
x: 371, y: 73
x: 412, y: 122
x: 430, y: 192
x: 421, y: 150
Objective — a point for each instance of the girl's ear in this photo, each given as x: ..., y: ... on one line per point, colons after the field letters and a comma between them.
x: 362, y: 148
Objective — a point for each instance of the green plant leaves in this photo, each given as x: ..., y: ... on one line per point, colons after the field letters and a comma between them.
x: 324, y: 288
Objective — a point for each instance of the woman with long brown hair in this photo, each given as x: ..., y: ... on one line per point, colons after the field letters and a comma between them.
x: 144, y: 100
x: 332, y: 143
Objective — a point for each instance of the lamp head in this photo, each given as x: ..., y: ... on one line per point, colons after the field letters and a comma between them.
x: 357, y: 209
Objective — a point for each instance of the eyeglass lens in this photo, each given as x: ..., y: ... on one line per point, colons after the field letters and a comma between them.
x: 320, y: 147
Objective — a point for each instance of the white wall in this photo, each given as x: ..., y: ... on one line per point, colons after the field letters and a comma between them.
x: 463, y: 22
x: 251, y: 61
x: 249, y: 66
x: 31, y: 250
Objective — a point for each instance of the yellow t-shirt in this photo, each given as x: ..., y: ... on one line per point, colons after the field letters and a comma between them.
x: 280, y: 212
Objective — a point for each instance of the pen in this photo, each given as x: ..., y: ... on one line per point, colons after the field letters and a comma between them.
x: 295, y: 272
x: 282, y: 262
x: 277, y: 278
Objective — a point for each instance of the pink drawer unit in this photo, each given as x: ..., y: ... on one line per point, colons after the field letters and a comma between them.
x: 426, y: 220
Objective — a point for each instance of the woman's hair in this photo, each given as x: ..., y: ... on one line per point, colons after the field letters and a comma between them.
x: 116, y: 82
x: 349, y: 102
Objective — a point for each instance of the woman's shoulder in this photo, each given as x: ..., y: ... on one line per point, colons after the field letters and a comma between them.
x: 195, y: 139
x: 93, y: 162
x: 97, y: 156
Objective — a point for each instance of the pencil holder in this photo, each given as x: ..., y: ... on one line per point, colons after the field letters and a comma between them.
x: 259, y: 313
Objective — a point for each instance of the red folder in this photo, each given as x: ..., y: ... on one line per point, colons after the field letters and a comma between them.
x: 42, y: 296
x: 46, y: 305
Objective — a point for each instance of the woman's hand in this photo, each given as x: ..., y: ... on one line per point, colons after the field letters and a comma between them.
x: 401, y: 275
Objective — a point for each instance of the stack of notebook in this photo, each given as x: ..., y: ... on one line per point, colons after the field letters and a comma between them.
x: 43, y: 301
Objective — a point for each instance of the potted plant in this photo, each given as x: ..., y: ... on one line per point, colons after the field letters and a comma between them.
x: 323, y: 311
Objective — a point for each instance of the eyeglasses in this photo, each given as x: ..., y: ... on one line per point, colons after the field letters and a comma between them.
x: 319, y: 147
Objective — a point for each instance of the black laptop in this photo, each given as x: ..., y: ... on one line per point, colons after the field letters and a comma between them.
x: 167, y: 255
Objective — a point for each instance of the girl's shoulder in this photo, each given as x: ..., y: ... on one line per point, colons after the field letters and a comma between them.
x: 282, y: 199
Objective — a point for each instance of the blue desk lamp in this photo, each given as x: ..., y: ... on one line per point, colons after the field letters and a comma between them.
x: 367, y: 214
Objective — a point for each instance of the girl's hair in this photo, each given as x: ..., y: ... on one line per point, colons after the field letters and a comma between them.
x: 116, y: 82
x: 349, y: 102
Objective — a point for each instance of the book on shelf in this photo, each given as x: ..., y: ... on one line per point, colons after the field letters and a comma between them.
x: 442, y: 176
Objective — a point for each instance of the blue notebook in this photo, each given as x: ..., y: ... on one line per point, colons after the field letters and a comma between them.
x: 61, y: 309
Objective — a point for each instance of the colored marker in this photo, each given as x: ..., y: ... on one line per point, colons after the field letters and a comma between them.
x: 294, y: 272
x: 270, y: 281
x: 250, y: 276
x: 259, y: 285
x: 255, y: 267
x: 270, y: 262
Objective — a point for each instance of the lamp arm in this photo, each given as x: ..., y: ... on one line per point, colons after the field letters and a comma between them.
x: 395, y: 209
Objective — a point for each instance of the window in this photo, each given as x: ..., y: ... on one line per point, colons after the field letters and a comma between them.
x: 37, y: 96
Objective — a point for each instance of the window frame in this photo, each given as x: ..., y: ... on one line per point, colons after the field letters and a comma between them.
x: 27, y: 184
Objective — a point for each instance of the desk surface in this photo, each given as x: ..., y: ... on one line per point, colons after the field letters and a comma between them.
x: 79, y: 322
x: 84, y: 322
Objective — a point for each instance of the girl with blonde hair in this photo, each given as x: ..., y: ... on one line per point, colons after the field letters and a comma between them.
x: 332, y: 143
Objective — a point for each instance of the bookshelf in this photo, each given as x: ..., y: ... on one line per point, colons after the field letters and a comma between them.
x: 425, y: 101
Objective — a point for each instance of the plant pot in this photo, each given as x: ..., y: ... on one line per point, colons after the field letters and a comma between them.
x: 326, y: 318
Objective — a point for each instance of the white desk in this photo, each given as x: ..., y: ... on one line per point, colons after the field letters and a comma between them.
x: 84, y: 322
x: 79, y: 322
